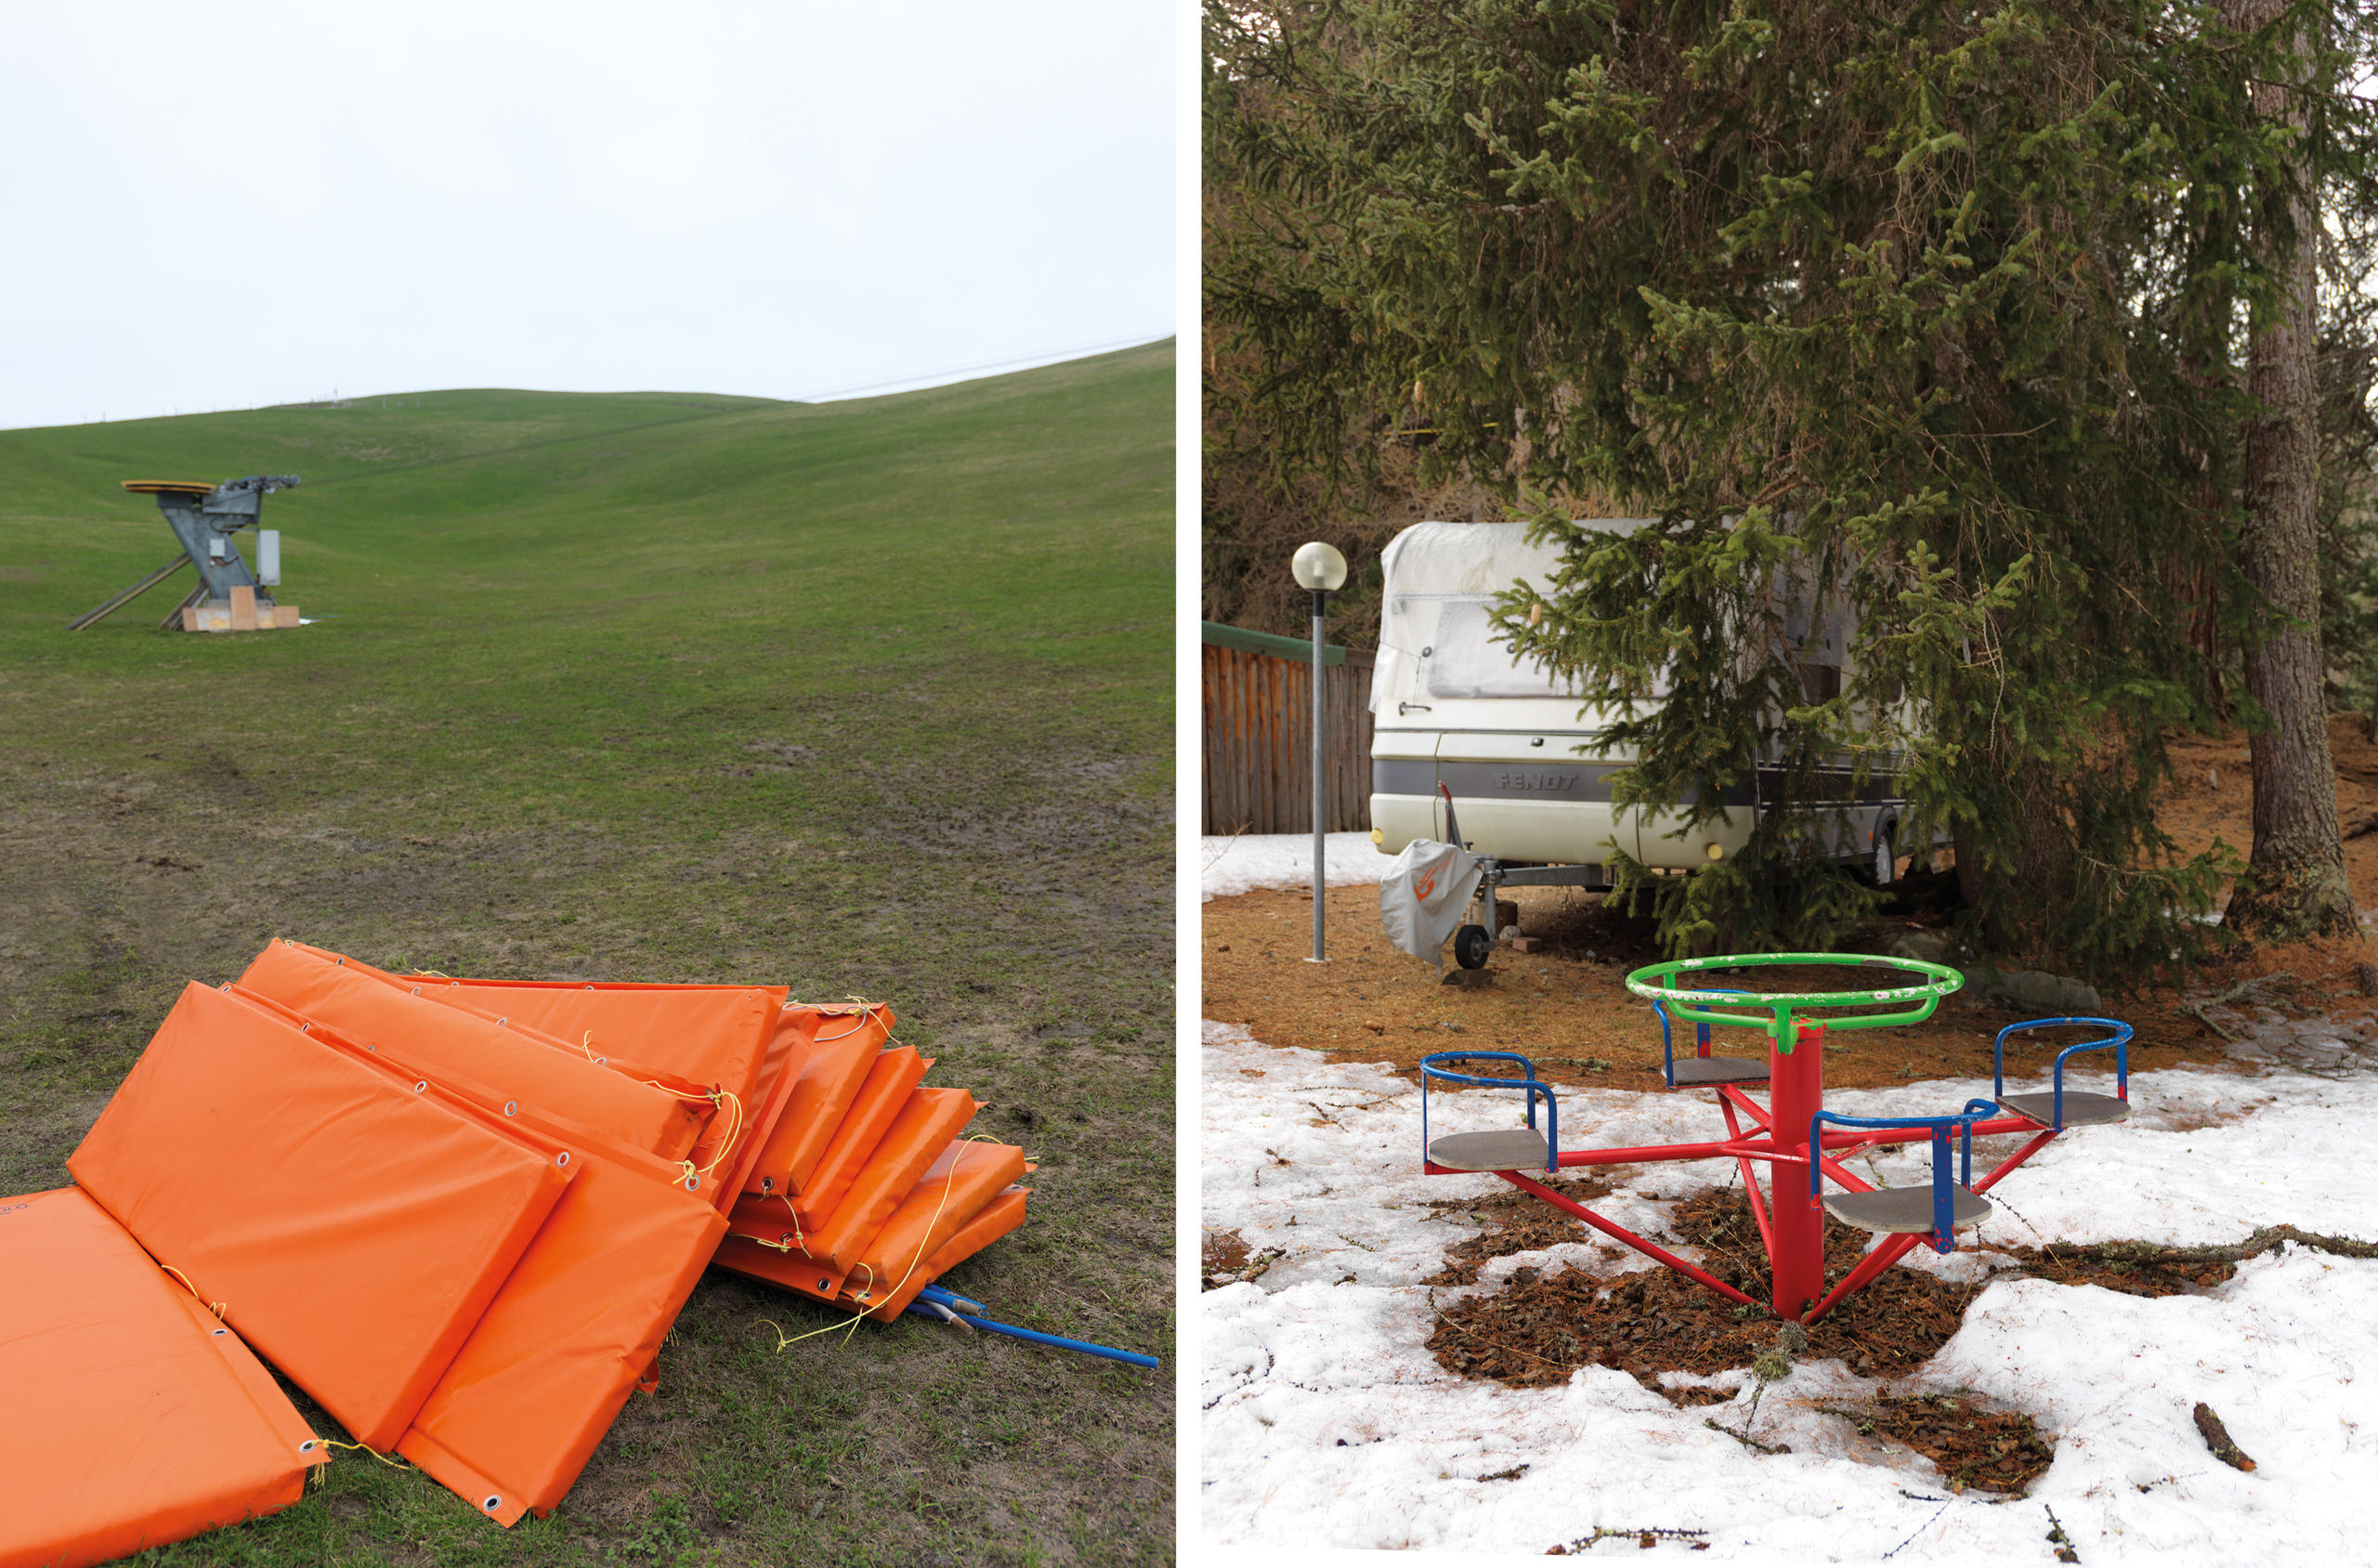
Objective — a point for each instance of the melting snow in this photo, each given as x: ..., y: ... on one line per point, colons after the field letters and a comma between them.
x: 1252, y: 860
x: 1327, y: 1423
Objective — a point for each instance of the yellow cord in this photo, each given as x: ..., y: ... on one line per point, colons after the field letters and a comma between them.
x: 218, y: 1307
x: 947, y: 1188
x: 849, y: 1328
x: 392, y: 1464
x: 717, y: 1099
x: 866, y: 1011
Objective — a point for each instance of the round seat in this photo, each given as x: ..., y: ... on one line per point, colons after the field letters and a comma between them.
x: 1513, y: 1149
x: 2080, y: 1108
x: 1905, y: 1210
x: 1694, y: 1072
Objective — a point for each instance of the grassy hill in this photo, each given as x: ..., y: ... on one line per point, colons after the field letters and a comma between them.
x: 869, y: 697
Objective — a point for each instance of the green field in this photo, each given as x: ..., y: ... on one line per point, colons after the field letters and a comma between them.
x: 866, y: 699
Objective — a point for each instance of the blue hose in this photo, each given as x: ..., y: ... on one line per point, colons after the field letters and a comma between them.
x: 950, y: 1299
x: 1084, y: 1346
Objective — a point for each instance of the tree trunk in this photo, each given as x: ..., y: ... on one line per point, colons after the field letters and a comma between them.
x: 2295, y: 882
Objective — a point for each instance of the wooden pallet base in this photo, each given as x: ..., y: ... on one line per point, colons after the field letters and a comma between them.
x: 234, y: 615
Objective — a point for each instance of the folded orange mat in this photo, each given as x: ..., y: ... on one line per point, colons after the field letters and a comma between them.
x: 996, y: 1219
x: 530, y: 1065
x: 132, y: 1418
x: 999, y: 1216
x: 780, y: 1074
x: 704, y: 1037
x: 841, y: 1047
x: 955, y: 1188
x: 768, y: 1222
x: 776, y: 1260
x: 546, y: 1368
x: 924, y: 1127
x: 355, y: 1230
x: 890, y: 1079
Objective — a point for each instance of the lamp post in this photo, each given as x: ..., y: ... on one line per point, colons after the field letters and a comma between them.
x: 1320, y: 571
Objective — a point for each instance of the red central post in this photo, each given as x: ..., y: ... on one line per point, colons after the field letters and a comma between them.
x: 1796, y: 1092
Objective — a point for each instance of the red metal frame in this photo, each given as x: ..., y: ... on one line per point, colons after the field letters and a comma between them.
x: 1791, y: 1227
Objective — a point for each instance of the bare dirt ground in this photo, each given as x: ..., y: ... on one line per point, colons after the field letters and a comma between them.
x: 1566, y: 1005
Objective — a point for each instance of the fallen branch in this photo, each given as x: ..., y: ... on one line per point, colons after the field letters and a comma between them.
x: 2217, y: 1437
x: 1640, y: 1537
x: 2266, y: 1238
x: 2196, y: 1009
x: 1747, y: 1440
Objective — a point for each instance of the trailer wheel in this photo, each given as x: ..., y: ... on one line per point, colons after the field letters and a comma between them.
x: 1472, y: 945
x: 1885, y: 870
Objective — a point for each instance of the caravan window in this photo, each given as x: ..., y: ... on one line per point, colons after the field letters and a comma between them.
x: 1467, y: 658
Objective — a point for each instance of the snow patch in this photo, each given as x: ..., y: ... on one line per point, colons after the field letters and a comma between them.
x: 1326, y: 1422
x: 1252, y: 860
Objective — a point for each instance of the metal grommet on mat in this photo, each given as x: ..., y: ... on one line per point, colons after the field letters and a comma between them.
x: 218, y: 1333
x: 306, y: 1446
x: 562, y: 1158
x: 493, y: 1504
x: 418, y: 1088
x: 502, y: 1022
x: 511, y: 1107
x: 692, y: 1183
x: 767, y: 1183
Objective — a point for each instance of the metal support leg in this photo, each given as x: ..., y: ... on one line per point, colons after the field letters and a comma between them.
x: 1796, y: 1094
x: 1320, y: 852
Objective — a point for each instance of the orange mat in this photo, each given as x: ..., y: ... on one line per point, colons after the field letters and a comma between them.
x: 546, y: 1368
x: 530, y: 1065
x: 953, y: 1191
x: 780, y: 1074
x: 705, y: 1038
x: 355, y: 1231
x: 768, y: 1222
x: 707, y: 1033
x: 843, y: 1045
x: 925, y: 1127
x: 996, y: 1219
x: 890, y: 1079
x: 132, y: 1418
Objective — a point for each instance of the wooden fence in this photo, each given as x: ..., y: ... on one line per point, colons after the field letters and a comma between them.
x: 1259, y: 731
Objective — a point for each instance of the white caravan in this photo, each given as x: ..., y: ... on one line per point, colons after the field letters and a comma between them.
x: 1454, y: 714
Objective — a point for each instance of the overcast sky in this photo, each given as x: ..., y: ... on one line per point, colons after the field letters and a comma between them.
x: 238, y: 203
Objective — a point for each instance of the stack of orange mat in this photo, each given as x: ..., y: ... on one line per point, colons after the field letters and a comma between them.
x: 461, y: 1214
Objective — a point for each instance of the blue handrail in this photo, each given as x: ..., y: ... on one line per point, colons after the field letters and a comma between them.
x: 1943, y: 1239
x: 1532, y: 1085
x: 1700, y: 1034
x: 2119, y: 1039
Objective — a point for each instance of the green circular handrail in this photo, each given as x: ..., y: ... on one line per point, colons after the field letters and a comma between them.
x: 1693, y: 1005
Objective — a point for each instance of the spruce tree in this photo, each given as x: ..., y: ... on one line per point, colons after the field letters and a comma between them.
x: 1912, y: 316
